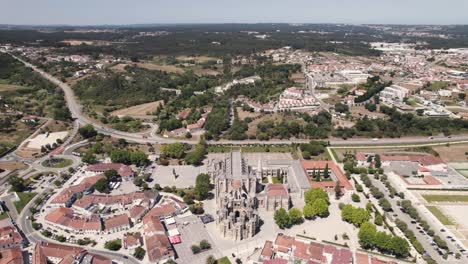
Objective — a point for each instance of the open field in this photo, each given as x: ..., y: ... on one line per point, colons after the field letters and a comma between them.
x: 12, y: 165
x: 444, y: 198
x: 138, y: 110
x: 440, y: 215
x: 197, y: 59
x: 158, y: 67
x: 4, y: 87
x: 453, y: 152
x: 243, y: 114
x: 17, y: 135
x: 24, y: 200
x: 205, y: 72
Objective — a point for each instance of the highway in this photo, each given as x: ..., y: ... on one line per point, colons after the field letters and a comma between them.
x: 75, y: 109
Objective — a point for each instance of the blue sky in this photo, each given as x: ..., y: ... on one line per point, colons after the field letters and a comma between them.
x: 92, y: 12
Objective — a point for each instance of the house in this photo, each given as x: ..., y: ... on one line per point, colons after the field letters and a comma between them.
x: 11, y: 255
x: 65, y: 219
x: 92, y: 202
x: 67, y: 196
x: 159, y: 249
x: 116, y: 223
x: 32, y: 120
x: 10, y: 237
x: 176, y: 132
x: 123, y: 170
x: 290, y: 249
x: 361, y: 160
x: 45, y: 253
x: 137, y: 212
x: 132, y: 241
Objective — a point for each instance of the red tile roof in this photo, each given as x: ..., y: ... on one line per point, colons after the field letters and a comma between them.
x: 362, y: 258
x: 11, y: 256
x: 267, y: 250
x: 122, y: 169
x: 67, y: 218
x: 275, y: 261
x: 277, y: 190
x: 283, y: 242
x: 132, y: 240
x: 158, y: 247
x: 116, y: 221
x: 9, y: 236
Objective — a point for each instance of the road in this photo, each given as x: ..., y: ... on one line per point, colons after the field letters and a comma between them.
x: 424, y: 239
x: 75, y: 109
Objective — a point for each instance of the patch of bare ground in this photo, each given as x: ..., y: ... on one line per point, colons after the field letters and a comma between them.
x: 138, y: 110
x: 159, y: 67
x: 243, y: 114
x: 197, y: 59
x: 453, y: 152
x: 12, y: 165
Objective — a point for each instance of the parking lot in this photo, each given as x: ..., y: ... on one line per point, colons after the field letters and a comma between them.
x: 180, y: 176
x: 191, y: 233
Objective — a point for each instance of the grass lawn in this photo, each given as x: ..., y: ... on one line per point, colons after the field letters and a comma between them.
x: 445, y: 198
x: 24, y: 200
x: 251, y: 148
x: 440, y: 215
x: 276, y: 180
x: 3, y: 216
x: 223, y: 260
x: 57, y: 163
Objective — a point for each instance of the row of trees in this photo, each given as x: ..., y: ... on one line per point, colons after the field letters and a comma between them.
x: 370, y: 238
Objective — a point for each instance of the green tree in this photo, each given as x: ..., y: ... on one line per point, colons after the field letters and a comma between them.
x: 320, y: 208
x: 17, y: 183
x: 113, y: 245
x: 204, y: 244
x: 313, y: 194
x: 326, y: 172
x: 281, y: 218
x: 87, y: 131
x: 295, y: 216
x: 308, y: 211
x: 366, y: 235
x: 355, y: 198
x: 120, y: 156
x: 138, y: 158
x: 377, y: 161
x: 101, y: 185
x: 139, y: 253
x: 89, y: 158
x: 175, y: 150
x: 400, y: 247
x: 378, y: 220
x: 210, y: 260
x: 202, y: 186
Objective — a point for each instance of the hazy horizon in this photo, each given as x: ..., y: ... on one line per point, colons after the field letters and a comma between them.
x: 120, y: 12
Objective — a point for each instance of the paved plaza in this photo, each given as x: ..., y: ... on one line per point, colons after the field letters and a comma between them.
x: 183, y: 176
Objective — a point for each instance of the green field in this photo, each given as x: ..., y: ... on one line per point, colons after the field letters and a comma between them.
x: 3, y: 216
x: 57, y: 163
x: 24, y: 200
x: 445, y: 198
x: 440, y: 215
